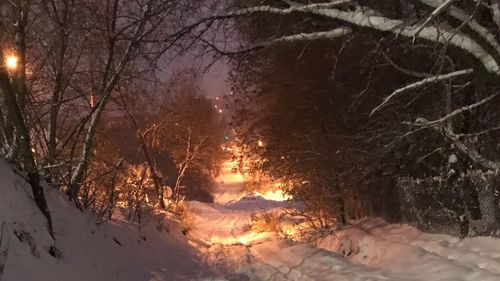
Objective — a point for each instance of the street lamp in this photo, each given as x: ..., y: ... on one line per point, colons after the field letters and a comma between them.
x: 11, y: 62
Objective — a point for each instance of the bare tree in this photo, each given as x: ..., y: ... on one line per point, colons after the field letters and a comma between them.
x: 17, y: 140
x: 192, y: 151
x: 187, y: 128
x: 71, y: 57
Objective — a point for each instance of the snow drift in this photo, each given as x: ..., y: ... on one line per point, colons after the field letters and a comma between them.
x: 115, y: 250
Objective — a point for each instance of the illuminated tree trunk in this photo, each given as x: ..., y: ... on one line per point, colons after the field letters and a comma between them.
x: 21, y: 133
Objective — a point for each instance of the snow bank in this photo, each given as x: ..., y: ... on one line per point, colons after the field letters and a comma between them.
x: 116, y: 250
x: 25, y: 241
x: 402, y: 250
x: 298, y: 261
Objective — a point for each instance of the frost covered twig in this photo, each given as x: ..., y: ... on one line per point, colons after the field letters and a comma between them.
x: 331, y: 34
x: 479, y: 133
x: 329, y: 4
x: 402, y: 69
x: 334, y: 33
x: 421, y: 83
x: 433, y: 15
x: 459, y: 111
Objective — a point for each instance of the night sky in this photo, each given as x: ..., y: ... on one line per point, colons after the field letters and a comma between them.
x: 214, y: 80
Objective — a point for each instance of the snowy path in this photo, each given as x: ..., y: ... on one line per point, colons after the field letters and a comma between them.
x: 118, y: 251
x: 374, y: 250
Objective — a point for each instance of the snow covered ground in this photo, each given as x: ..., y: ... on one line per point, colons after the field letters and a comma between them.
x: 114, y: 251
x: 369, y: 250
x: 222, y: 245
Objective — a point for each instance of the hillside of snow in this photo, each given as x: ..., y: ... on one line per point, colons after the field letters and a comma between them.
x: 115, y: 250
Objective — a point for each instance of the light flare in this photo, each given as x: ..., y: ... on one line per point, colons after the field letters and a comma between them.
x: 11, y: 62
x: 275, y: 195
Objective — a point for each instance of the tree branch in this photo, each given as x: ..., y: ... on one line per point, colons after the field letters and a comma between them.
x: 470, y: 152
x: 434, y: 15
x: 459, y: 111
x: 331, y: 34
x: 365, y: 17
x: 462, y: 16
x: 421, y: 83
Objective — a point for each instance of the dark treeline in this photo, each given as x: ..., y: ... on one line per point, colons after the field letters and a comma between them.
x: 311, y: 102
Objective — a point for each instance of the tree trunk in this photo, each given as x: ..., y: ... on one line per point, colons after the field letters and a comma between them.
x: 25, y: 156
x: 342, y: 217
x: 78, y: 175
x: 463, y: 214
x: 144, y: 147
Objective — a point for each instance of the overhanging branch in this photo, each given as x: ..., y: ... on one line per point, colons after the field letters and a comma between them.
x: 421, y: 83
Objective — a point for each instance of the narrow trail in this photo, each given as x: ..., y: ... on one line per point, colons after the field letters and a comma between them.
x: 376, y: 251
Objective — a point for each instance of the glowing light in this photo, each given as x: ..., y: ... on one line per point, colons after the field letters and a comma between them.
x: 260, y: 143
x: 11, y: 62
x: 220, y: 110
x: 290, y: 231
x: 275, y: 195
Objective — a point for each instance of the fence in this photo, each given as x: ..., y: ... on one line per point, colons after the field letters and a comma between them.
x: 467, y: 204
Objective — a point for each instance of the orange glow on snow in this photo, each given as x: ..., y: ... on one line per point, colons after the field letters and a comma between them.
x: 245, y: 239
x: 275, y: 195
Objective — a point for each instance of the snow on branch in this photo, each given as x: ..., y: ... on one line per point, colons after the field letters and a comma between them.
x: 330, y: 34
x: 486, y: 131
x: 304, y: 8
x: 473, y: 154
x: 423, y: 82
x: 462, y: 16
x: 434, y: 15
x: 495, y: 10
x: 364, y: 18
x: 329, y: 4
x: 459, y: 111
